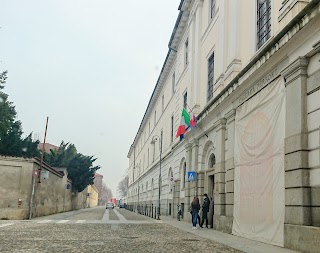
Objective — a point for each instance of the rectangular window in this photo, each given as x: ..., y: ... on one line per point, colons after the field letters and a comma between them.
x: 213, y: 8
x: 185, y: 99
x: 186, y: 52
x: 263, y: 21
x: 162, y: 103
x: 210, y: 76
x: 173, y: 82
x: 172, y: 130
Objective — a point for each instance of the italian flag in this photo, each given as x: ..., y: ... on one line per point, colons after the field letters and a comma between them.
x: 184, y: 123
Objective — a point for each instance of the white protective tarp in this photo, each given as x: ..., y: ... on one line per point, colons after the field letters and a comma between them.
x: 259, y: 198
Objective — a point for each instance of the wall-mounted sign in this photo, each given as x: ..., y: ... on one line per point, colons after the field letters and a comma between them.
x: 44, y: 174
x: 192, y: 176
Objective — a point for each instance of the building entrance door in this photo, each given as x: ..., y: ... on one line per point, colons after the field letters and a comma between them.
x: 211, y: 197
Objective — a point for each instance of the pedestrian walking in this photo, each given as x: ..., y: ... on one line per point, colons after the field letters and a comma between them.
x: 205, y: 210
x: 195, y: 207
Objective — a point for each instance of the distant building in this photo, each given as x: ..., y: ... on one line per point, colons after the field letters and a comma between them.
x: 92, y: 196
x: 98, y: 184
x: 47, y: 147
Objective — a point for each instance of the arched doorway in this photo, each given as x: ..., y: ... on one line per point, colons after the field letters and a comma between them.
x: 211, y: 186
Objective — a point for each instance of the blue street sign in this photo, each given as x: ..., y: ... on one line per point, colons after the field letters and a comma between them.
x: 192, y: 176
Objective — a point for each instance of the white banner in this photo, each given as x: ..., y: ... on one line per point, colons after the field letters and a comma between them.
x: 259, y: 194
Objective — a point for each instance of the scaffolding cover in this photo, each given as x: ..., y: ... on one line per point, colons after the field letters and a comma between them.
x: 259, y: 194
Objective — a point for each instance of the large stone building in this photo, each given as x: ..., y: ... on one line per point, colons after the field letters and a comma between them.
x: 250, y: 71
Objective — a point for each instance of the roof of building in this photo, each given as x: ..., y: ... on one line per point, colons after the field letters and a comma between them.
x: 174, y: 40
x: 47, y: 147
x: 98, y: 175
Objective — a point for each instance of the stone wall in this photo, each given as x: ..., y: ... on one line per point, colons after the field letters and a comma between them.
x: 52, y: 195
x: 15, y: 184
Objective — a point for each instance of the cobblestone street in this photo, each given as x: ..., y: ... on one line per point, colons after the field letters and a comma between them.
x: 100, y: 230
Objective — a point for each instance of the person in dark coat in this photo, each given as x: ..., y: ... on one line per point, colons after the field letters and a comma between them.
x: 195, y: 207
x: 205, y: 210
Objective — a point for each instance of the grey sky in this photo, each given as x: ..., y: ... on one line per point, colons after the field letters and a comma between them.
x: 90, y: 66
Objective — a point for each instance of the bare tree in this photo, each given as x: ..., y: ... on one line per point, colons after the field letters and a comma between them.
x: 123, y: 186
x: 106, y: 194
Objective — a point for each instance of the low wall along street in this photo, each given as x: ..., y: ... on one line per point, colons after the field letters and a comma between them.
x: 52, y: 195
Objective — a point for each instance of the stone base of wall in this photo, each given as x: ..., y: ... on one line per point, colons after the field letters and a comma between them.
x: 13, y: 214
x: 223, y: 223
x: 302, y: 238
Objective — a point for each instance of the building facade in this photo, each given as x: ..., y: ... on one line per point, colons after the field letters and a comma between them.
x: 98, y: 184
x: 250, y: 72
x: 92, y: 196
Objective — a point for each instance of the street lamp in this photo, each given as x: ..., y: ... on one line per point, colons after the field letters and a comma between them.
x: 153, y: 141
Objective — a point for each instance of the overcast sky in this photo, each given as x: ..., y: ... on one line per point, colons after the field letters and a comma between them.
x: 90, y: 66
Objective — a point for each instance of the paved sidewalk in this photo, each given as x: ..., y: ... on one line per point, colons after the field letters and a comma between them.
x: 235, y: 242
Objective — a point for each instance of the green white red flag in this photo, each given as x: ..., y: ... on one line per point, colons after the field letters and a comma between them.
x: 184, y: 123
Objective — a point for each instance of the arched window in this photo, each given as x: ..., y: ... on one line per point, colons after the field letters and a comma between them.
x: 184, y: 174
x: 212, y: 160
x: 170, y: 180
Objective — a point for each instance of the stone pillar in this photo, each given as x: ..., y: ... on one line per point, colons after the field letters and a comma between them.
x: 297, y: 188
x: 229, y: 165
x: 200, y: 183
x: 188, y: 194
x: 195, y: 154
x: 219, y: 175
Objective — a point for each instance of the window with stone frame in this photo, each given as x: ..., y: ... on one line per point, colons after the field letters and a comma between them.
x: 173, y: 83
x: 212, y: 8
x: 212, y: 161
x: 170, y: 179
x: 185, y: 100
x: 172, y: 130
x: 186, y: 45
x: 210, y: 76
x: 263, y: 21
x: 162, y: 103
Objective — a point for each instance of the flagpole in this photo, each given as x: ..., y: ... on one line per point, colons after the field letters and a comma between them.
x: 189, y: 107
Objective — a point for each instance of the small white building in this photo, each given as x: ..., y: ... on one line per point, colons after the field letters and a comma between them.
x: 249, y: 71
